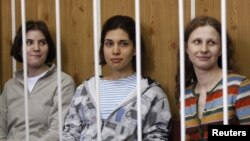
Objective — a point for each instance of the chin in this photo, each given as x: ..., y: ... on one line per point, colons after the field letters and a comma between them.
x: 35, y: 65
x: 205, y: 67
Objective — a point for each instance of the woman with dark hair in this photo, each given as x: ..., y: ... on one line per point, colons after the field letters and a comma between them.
x: 118, y: 94
x: 42, y: 89
x: 203, y: 72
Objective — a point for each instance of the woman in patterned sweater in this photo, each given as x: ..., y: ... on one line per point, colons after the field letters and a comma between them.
x: 203, y: 72
x: 118, y: 94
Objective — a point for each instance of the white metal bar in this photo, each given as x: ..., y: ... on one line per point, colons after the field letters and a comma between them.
x: 59, y: 67
x: 96, y: 37
x: 182, y: 71
x: 98, y: 6
x: 193, y: 9
x: 224, y: 60
x: 25, y: 74
x: 13, y: 32
x: 138, y: 68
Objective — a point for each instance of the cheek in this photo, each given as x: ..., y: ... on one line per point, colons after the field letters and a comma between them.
x: 105, y: 55
x: 187, y: 51
x: 217, y: 52
x: 130, y: 54
x: 28, y: 51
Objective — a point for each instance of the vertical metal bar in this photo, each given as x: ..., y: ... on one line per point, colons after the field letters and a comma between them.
x: 96, y: 37
x: 25, y: 75
x: 193, y: 9
x: 98, y: 12
x: 13, y: 32
x: 138, y: 68
x: 59, y: 67
x: 224, y: 60
x: 182, y: 71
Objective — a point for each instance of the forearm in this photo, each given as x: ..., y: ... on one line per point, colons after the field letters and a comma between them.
x: 158, y: 128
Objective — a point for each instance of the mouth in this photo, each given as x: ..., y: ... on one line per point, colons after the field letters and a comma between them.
x: 203, y: 57
x: 35, y: 56
x: 116, y: 60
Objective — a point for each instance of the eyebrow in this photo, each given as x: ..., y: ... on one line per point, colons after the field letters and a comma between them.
x: 123, y: 40
x: 38, y: 40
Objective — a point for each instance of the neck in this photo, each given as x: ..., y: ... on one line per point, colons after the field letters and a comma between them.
x: 32, y: 72
x: 118, y: 75
x: 207, y: 79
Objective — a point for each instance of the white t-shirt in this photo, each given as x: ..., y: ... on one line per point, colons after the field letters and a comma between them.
x: 32, y: 81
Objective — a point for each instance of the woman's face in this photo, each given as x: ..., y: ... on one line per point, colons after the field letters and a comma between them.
x: 118, y: 51
x: 37, y: 49
x: 204, y: 47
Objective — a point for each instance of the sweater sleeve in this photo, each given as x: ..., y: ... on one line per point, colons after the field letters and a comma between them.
x: 73, y: 122
x: 68, y: 89
x: 242, y: 104
x: 3, y: 115
x: 158, y: 120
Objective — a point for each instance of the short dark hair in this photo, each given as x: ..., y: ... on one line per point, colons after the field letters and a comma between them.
x: 16, y: 50
x: 125, y: 23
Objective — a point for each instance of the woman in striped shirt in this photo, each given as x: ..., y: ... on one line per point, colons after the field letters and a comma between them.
x: 203, y: 72
x: 118, y: 94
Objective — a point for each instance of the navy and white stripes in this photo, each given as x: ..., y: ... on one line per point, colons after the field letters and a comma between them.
x: 113, y: 92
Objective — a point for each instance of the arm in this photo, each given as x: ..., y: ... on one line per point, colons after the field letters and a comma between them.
x: 243, y: 102
x: 3, y: 115
x: 159, y: 128
x: 68, y: 88
x: 73, y: 123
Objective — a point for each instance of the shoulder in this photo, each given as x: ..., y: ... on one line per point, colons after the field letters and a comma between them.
x: 53, y: 73
x: 10, y: 83
x: 82, y: 88
x: 66, y: 76
x: 234, y: 78
x: 153, y: 87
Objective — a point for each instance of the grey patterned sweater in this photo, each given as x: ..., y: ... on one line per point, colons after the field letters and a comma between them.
x: 121, y: 125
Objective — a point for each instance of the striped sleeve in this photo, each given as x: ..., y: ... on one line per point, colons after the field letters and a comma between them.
x: 242, y: 104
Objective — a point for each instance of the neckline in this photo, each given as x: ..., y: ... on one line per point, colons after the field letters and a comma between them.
x: 123, y: 78
x: 208, y: 92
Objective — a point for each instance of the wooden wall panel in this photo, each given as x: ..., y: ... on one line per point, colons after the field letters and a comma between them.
x: 5, y: 41
x: 238, y: 27
x: 160, y: 29
x: 77, y: 39
x: 208, y: 7
x: 159, y: 20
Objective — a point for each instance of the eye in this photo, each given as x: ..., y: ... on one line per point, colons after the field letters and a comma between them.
x: 42, y: 42
x: 197, y: 41
x: 124, y: 43
x: 108, y: 43
x: 29, y: 42
x: 211, y: 43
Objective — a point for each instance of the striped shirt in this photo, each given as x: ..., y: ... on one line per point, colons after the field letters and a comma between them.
x: 113, y: 92
x: 238, y: 106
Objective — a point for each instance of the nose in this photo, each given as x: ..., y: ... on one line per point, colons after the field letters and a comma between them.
x: 116, y: 50
x: 36, y: 47
x: 204, y: 48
